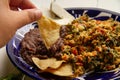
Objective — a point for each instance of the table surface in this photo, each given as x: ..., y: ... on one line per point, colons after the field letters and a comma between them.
x: 7, y: 67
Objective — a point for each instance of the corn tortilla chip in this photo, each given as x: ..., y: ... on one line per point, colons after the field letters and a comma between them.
x: 45, y: 63
x: 49, y: 30
x: 56, y: 64
x: 64, y: 70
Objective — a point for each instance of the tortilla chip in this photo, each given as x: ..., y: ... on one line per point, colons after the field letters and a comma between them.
x: 49, y: 30
x: 64, y: 70
x: 56, y: 64
x: 45, y: 63
x: 42, y: 64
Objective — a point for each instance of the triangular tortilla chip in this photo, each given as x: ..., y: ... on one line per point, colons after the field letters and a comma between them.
x: 49, y: 30
x: 56, y: 64
x: 42, y: 64
x: 45, y: 63
x: 64, y: 70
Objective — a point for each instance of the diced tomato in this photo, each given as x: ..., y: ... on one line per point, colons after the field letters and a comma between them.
x: 79, y: 64
x: 102, y: 31
x: 74, y: 51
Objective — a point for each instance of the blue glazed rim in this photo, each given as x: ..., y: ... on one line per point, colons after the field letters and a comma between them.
x: 9, y: 46
x: 93, y: 9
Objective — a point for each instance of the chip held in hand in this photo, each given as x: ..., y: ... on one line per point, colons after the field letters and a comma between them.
x: 49, y: 30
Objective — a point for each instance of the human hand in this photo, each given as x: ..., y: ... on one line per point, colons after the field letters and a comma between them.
x: 11, y: 19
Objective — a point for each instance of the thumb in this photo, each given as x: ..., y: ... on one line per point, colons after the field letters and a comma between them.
x: 27, y: 16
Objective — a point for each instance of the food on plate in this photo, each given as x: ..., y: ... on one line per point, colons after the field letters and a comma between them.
x: 83, y: 45
x: 47, y: 29
x: 63, y: 70
x: 43, y: 64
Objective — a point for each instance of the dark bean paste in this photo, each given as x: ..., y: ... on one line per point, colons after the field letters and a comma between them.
x: 33, y: 45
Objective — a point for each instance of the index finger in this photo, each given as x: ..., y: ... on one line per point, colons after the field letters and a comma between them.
x: 22, y: 4
x: 26, y: 4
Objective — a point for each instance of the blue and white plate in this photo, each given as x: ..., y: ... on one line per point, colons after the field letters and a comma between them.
x: 14, y: 55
